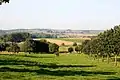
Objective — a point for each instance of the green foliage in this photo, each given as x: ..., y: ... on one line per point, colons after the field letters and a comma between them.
x: 106, y: 43
x: 35, y: 46
x: 15, y: 37
x: 74, y: 44
x: 53, y: 48
x: 78, y: 48
x: 29, y: 45
x: 70, y: 49
x: 3, y: 46
x: 13, y: 48
x: 85, y: 46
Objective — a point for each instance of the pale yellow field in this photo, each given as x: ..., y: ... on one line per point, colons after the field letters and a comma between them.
x: 59, y: 42
x: 66, y: 41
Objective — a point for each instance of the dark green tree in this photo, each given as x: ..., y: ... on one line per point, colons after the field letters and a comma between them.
x: 106, y: 44
x: 13, y: 48
x: 74, y: 44
x: 15, y: 37
x: 29, y: 46
x: 3, y: 46
x: 53, y: 48
x: 78, y: 48
x: 70, y: 49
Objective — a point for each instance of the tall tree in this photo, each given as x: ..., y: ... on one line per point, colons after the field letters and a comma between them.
x: 29, y: 46
x: 13, y: 48
x: 78, y: 48
x: 106, y: 44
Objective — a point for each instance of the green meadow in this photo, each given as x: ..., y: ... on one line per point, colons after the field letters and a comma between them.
x: 25, y: 66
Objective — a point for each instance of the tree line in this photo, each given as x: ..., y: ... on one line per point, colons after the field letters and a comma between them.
x: 105, y: 45
x: 23, y: 42
x: 15, y: 37
x: 22, y: 36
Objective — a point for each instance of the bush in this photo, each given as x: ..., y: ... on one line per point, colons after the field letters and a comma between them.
x: 3, y: 46
x: 13, y: 48
x: 78, y: 48
x: 28, y: 45
x: 35, y: 46
x: 53, y: 48
x: 70, y: 49
x: 74, y: 44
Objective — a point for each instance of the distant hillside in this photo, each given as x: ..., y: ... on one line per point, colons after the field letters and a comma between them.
x: 51, y: 31
x: 59, y: 33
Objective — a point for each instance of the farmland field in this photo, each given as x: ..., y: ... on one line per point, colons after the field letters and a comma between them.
x: 57, y: 41
x: 66, y: 41
x: 78, y: 40
x: 49, y: 67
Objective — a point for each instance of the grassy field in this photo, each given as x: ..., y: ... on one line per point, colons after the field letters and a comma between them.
x: 63, y: 48
x: 49, y: 67
x: 77, y: 40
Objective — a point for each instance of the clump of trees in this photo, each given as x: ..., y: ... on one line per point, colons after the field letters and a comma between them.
x: 3, y: 46
x: 78, y: 49
x: 15, y: 37
x: 106, y: 44
x: 22, y: 42
x: 13, y: 48
x: 39, y: 46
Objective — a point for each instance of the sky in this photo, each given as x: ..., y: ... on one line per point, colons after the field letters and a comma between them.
x: 60, y: 14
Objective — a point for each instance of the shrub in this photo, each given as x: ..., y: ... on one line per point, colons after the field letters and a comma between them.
x: 53, y: 48
x: 70, y: 49
x: 74, y: 44
x: 78, y: 48
x: 13, y: 48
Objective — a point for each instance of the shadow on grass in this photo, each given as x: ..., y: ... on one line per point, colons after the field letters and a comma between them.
x: 27, y: 55
x: 52, y: 72
x: 57, y: 72
x: 40, y: 64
